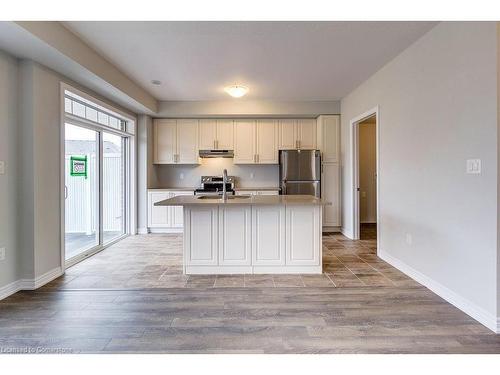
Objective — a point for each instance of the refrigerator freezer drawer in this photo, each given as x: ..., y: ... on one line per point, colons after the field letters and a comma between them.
x: 301, y: 188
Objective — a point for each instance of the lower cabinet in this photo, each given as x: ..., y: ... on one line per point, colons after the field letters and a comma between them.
x: 201, y: 237
x: 235, y: 242
x: 303, y: 235
x: 252, y: 239
x: 268, y: 235
x: 169, y: 219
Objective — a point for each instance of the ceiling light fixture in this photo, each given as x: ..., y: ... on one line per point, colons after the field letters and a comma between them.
x: 236, y: 91
x: 156, y: 82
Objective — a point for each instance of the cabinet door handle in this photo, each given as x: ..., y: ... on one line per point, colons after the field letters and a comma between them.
x: 217, y: 144
x: 258, y: 158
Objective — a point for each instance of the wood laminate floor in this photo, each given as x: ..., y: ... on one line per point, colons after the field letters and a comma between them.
x: 356, y: 312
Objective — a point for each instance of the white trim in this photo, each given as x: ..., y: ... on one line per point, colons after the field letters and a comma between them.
x: 166, y: 230
x: 30, y: 284
x: 347, y: 233
x: 470, y: 308
x: 130, y: 171
x: 353, y: 130
x: 10, y: 289
x: 142, y: 231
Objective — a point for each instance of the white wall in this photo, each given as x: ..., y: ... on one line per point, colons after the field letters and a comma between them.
x: 247, y: 108
x: 438, y: 107
x: 170, y: 175
x: 39, y: 168
x: 8, y: 182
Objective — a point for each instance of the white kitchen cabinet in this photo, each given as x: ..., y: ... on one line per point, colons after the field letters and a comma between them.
x: 268, y: 235
x: 165, y: 141
x: 177, y: 211
x: 207, y: 134
x: 287, y: 134
x: 297, y: 134
x: 306, y: 133
x: 225, y: 135
x: 175, y: 141
x: 303, y: 235
x: 256, y: 142
x: 202, y: 245
x: 158, y: 216
x: 216, y: 134
x: 330, y: 187
x: 166, y: 219
x: 329, y: 138
x: 244, y: 142
x: 235, y: 236
x: 266, y: 138
x: 257, y: 192
x: 187, y: 142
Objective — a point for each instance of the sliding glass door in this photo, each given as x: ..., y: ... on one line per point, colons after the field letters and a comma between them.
x: 81, y: 190
x: 113, y: 187
x: 95, y: 189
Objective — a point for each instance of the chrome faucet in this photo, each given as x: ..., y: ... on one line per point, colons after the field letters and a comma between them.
x: 224, y: 188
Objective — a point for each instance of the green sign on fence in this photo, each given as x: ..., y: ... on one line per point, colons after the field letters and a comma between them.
x: 78, y: 166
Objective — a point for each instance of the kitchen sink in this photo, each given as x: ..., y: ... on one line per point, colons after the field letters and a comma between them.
x: 229, y: 197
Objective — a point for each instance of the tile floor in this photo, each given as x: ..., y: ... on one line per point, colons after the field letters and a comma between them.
x: 154, y: 261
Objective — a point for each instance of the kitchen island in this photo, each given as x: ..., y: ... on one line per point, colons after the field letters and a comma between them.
x: 251, y: 234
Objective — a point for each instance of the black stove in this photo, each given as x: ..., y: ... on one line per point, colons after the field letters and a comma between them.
x: 214, y: 185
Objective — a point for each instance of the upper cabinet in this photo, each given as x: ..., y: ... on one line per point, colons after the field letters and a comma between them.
x: 329, y: 138
x: 244, y: 142
x: 175, y: 141
x: 266, y: 140
x: 256, y: 142
x: 216, y: 135
x: 297, y: 134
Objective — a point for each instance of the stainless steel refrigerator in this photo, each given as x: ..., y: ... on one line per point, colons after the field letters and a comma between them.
x: 300, y: 172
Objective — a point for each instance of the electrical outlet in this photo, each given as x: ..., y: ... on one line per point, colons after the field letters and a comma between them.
x: 252, y: 175
x: 2, y: 167
x: 409, y: 239
x: 181, y: 176
x: 2, y: 253
x: 473, y: 166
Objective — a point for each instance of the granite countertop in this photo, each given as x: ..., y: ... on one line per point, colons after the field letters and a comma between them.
x: 175, y: 189
x: 256, y: 188
x: 271, y: 200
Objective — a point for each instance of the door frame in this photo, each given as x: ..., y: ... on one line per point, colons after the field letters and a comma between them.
x: 130, y: 172
x: 354, y: 135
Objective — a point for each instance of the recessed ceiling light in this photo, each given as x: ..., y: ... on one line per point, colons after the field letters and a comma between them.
x: 236, y: 91
x: 156, y: 82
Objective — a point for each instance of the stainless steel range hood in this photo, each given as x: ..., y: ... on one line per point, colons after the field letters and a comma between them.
x: 216, y: 154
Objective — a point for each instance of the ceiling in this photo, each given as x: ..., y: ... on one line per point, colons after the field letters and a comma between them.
x: 306, y: 61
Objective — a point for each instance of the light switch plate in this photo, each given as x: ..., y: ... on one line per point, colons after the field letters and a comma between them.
x: 2, y: 253
x: 2, y: 167
x: 473, y: 166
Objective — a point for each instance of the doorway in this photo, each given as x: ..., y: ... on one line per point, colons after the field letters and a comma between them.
x: 97, y: 209
x: 365, y: 156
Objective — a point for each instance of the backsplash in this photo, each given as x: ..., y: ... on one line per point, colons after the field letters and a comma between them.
x: 180, y: 176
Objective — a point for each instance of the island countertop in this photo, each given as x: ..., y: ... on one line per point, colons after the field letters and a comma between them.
x: 247, y: 200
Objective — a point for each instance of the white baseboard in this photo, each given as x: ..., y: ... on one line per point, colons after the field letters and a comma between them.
x: 349, y: 234
x: 30, y: 284
x: 478, y: 313
x: 142, y: 230
x: 10, y: 289
x: 166, y: 230
x: 327, y: 229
